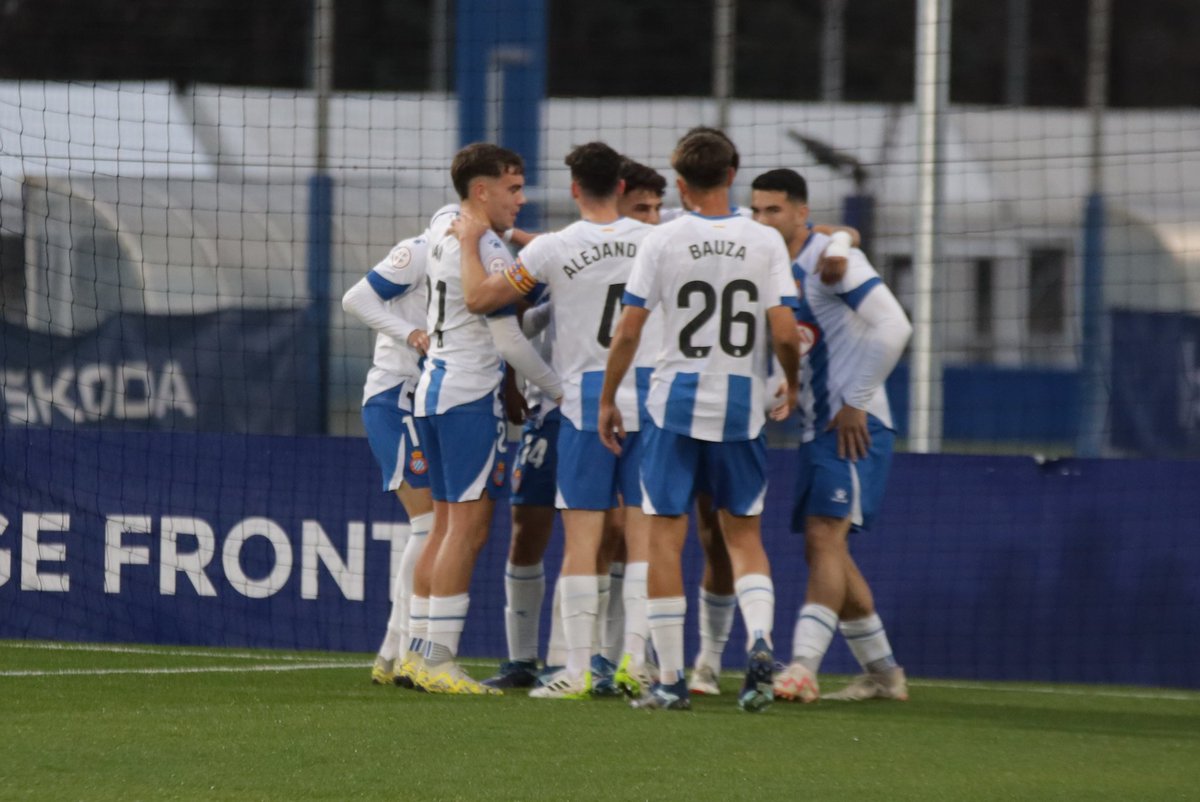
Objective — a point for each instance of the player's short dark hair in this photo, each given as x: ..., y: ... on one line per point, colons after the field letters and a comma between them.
x: 596, y: 167
x: 783, y: 180
x: 704, y: 129
x: 703, y: 159
x: 639, y: 176
x: 482, y: 159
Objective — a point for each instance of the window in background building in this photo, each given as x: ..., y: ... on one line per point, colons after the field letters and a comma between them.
x: 1047, y: 290
x: 983, y: 298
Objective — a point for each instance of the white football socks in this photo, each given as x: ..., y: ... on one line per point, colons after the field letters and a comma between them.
x: 637, y: 628
x: 716, y: 620
x: 418, y: 623
x: 580, y: 599
x: 614, y: 618
x: 756, y: 598
x: 524, y: 590
x: 815, y: 626
x: 666, y: 617
x: 447, y: 617
x: 869, y: 643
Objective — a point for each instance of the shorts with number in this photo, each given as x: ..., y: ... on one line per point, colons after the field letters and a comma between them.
x: 590, y: 477
x: 535, y: 464
x: 393, y: 437
x: 832, y: 487
x: 675, y: 466
x: 466, y: 448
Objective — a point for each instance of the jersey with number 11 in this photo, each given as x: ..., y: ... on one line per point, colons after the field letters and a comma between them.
x: 714, y: 279
x: 462, y: 364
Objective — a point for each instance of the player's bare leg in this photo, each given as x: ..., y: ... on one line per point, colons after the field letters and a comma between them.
x: 612, y: 639
x: 418, y: 608
x: 466, y: 533
x: 524, y: 591
x: 882, y: 676
x: 827, y: 555
x: 389, y: 664
x: 718, y: 602
x: 580, y: 603
x: 632, y: 675
x: 756, y: 599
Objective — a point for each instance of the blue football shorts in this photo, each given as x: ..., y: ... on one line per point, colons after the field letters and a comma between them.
x: 675, y: 466
x: 590, y: 477
x: 466, y: 447
x: 536, y: 462
x: 392, y: 434
x: 831, y: 487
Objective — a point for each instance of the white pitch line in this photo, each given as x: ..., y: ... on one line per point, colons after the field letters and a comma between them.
x: 90, y: 647
x: 1050, y: 691
x: 95, y: 672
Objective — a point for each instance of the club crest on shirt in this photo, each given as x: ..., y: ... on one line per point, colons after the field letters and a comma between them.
x: 516, y: 479
x: 400, y: 257
x: 498, y: 474
x: 810, y: 335
x: 417, y: 463
x: 496, y: 265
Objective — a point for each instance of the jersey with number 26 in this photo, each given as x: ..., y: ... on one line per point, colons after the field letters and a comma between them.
x: 714, y: 279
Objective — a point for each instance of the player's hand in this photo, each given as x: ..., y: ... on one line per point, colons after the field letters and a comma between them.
x: 468, y: 228
x: 419, y: 341
x: 611, y: 428
x: 835, y: 258
x: 789, y: 396
x: 516, y: 408
x: 853, y: 438
x: 831, y: 269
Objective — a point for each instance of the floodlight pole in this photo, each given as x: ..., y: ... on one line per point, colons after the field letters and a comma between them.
x: 1093, y: 394
x: 320, y: 210
x: 724, y: 53
x: 833, y: 50
x: 932, y: 95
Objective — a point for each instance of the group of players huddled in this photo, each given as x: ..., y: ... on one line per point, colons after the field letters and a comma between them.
x: 643, y: 350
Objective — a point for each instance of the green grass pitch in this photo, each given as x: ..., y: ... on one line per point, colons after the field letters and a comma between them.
x: 127, y: 722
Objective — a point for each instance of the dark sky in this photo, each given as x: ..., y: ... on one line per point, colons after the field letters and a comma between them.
x: 614, y: 47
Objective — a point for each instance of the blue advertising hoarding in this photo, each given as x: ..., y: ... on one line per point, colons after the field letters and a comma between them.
x: 982, y: 567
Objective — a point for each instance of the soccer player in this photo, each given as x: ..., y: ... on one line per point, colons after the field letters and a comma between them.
x: 855, y: 332
x: 533, y: 493
x: 723, y: 285
x: 390, y: 299
x: 643, y: 200
x: 642, y: 197
x: 457, y: 405
x: 584, y: 267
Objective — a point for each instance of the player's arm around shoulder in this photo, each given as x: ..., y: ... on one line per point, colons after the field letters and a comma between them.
x: 483, y: 265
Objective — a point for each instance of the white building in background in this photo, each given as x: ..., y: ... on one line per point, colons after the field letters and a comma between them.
x: 141, y: 197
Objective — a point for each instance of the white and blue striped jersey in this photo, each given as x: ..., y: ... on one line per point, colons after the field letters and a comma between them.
x: 399, y: 281
x: 585, y: 267
x: 462, y: 364
x: 833, y: 339
x: 714, y: 279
